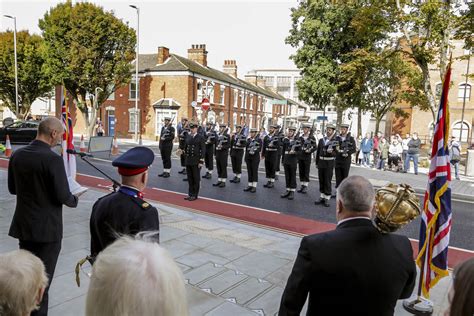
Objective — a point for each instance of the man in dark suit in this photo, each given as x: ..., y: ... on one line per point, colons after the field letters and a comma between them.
x: 125, y: 211
x: 36, y: 175
x: 166, y: 146
x: 354, y: 269
x: 194, y: 150
x: 325, y: 156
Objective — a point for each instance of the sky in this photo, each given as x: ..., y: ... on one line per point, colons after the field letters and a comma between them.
x: 251, y: 32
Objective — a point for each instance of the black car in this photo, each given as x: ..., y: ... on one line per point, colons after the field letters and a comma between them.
x: 19, y: 132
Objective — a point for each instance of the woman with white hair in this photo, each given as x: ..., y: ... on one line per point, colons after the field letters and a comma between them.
x: 136, y: 277
x: 22, y: 283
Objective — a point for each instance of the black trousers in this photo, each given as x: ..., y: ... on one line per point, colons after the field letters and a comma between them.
x: 290, y: 175
x: 342, y: 171
x: 304, y: 166
x: 182, y: 159
x: 209, y: 157
x: 194, y: 179
x: 325, y: 174
x: 252, y: 167
x: 236, y: 160
x: 271, y: 162
x: 48, y: 253
x: 278, y: 161
x: 393, y: 161
x: 221, y: 163
x: 165, y: 152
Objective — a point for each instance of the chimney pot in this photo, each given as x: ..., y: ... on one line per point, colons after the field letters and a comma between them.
x: 198, y: 53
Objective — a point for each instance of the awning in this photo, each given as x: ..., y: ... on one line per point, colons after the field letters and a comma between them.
x: 166, y: 103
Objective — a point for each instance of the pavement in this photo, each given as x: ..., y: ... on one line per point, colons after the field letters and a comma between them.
x: 231, y: 267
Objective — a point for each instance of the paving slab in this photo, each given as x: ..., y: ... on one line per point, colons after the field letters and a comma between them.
x: 198, y: 258
x: 203, y: 273
x: 268, y: 303
x: 230, y: 309
x: 257, y: 264
x: 223, y: 281
x: 200, y: 302
x: 246, y: 291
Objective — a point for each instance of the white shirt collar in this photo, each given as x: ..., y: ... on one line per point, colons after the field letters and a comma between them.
x: 351, y: 218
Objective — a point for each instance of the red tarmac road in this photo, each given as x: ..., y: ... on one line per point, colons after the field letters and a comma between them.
x: 255, y: 216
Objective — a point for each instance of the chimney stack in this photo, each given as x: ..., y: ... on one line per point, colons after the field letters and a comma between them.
x: 230, y: 68
x: 163, y: 54
x: 198, y: 53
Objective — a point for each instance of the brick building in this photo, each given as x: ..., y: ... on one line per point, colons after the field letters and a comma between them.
x: 168, y: 85
x: 422, y: 122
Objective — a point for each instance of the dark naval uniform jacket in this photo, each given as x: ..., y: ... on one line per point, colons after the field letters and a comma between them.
x: 37, y: 177
x: 167, y: 136
x: 346, y: 147
x: 194, y: 149
x: 352, y: 270
x: 122, y: 212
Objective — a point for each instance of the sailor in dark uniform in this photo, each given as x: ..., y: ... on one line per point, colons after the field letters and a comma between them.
x: 222, y: 155
x: 291, y: 148
x: 194, y: 150
x: 325, y: 156
x: 183, y: 130
x: 280, y: 134
x: 346, y: 147
x: 125, y: 211
x: 252, y: 159
x: 166, y: 146
x: 308, y: 146
x: 271, y: 143
x: 211, y: 138
x: 237, y: 146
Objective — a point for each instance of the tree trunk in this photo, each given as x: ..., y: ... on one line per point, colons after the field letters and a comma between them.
x: 427, y: 89
x: 339, y: 112
x: 359, y: 121
x: 377, y: 124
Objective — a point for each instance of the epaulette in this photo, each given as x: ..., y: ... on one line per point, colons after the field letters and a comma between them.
x: 142, y: 203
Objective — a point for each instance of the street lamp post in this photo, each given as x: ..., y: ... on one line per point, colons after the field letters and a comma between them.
x: 137, y: 82
x: 464, y: 99
x: 16, y: 62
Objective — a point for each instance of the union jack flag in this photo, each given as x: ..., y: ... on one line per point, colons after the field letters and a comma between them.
x: 436, y: 217
x: 68, y: 138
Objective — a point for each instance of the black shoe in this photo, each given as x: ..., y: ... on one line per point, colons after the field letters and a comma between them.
x: 216, y: 184
x: 266, y: 184
x: 303, y: 189
x: 192, y: 198
x: 247, y: 189
x: 276, y: 178
x: 416, y: 173
x: 207, y: 175
x: 321, y: 201
x: 187, y: 198
x: 271, y: 185
x: 185, y: 179
x: 285, y: 195
x: 221, y: 185
x: 166, y: 175
x: 233, y: 180
x: 162, y: 175
x: 253, y: 190
x: 291, y: 196
x: 333, y: 196
x: 326, y: 203
x: 182, y: 171
x: 237, y: 180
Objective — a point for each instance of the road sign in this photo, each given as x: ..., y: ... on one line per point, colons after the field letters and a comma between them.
x: 194, y: 104
x: 205, y: 104
x: 322, y: 118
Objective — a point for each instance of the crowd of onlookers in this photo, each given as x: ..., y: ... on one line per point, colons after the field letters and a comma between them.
x: 395, y: 153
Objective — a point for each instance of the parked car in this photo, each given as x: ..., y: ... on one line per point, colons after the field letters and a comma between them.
x: 19, y: 132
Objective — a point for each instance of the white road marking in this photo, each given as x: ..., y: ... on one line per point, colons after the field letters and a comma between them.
x: 230, y: 203
x: 450, y: 247
x: 87, y: 175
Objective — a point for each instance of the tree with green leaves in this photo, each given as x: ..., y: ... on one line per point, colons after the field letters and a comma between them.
x: 427, y: 28
x: 87, y: 48
x: 326, y: 33
x: 33, y: 82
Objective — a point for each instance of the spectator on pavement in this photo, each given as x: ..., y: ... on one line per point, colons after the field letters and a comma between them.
x: 22, y: 283
x: 413, y: 152
x: 136, y: 277
x: 394, y: 152
x: 383, y: 153
x: 366, y: 147
x: 358, y: 159
x: 376, y: 152
x: 405, y: 148
x: 455, y: 155
x: 99, y: 127
x: 461, y: 294
x: 354, y: 269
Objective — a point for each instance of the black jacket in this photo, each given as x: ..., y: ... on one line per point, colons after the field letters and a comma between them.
x: 308, y: 147
x: 166, y: 136
x: 346, y: 147
x: 223, y: 143
x: 352, y: 270
x: 253, y: 148
x: 119, y: 213
x: 322, y: 152
x: 194, y: 149
x: 37, y: 177
x: 291, y: 149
